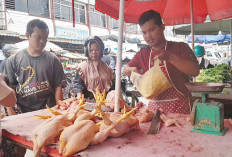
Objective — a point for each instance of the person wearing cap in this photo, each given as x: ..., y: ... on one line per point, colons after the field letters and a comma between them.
x: 8, y: 50
x: 94, y: 72
x: 108, y: 59
x: 203, y: 62
x: 178, y: 62
x: 36, y: 74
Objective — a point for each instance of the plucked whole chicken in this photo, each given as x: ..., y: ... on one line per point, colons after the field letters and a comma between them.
x: 123, y: 127
x: 77, y: 128
x: 111, y: 101
x: 46, y: 132
x: 77, y: 137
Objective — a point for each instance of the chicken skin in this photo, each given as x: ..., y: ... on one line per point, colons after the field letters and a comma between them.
x: 111, y: 101
x: 121, y: 128
x: 46, y: 132
x: 77, y: 137
x: 142, y: 113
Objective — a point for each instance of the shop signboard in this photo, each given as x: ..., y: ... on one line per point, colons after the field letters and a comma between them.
x: 69, y: 33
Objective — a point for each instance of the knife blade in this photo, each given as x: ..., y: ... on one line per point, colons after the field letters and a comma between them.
x: 155, y: 123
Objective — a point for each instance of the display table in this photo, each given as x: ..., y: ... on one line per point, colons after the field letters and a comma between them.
x: 170, y: 141
x: 224, y: 98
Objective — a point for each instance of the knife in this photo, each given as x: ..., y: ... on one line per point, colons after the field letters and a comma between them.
x: 155, y: 123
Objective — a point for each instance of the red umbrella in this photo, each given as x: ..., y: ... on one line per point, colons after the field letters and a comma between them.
x: 173, y: 11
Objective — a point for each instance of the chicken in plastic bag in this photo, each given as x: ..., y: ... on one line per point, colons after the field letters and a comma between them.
x: 151, y: 83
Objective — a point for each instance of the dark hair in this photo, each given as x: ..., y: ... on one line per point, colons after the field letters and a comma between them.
x: 150, y: 15
x: 94, y: 40
x: 36, y: 23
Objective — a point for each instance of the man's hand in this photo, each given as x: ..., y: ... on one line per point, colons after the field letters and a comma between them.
x: 58, y: 94
x: 128, y: 70
x: 5, y: 78
x: 188, y: 67
x: 10, y: 111
x: 135, y: 69
x: 164, y: 55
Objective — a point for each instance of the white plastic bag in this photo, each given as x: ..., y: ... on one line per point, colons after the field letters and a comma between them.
x: 152, y: 82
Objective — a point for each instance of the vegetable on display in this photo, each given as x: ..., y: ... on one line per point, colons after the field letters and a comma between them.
x: 219, y: 73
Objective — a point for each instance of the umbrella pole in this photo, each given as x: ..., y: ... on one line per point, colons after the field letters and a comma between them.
x: 192, y: 29
x: 230, y: 43
x: 192, y: 23
x: 119, y: 57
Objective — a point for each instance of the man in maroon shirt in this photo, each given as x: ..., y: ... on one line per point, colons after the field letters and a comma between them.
x: 178, y: 59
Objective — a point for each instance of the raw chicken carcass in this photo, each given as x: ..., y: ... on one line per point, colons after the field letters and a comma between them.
x: 100, y: 100
x: 91, y: 115
x: 111, y: 101
x: 143, y: 114
x: 46, y: 132
x: 82, y: 112
x: 85, y: 116
x: 169, y: 121
x: 103, y: 134
x: 65, y: 104
x: 77, y: 137
x: 100, y: 136
x: 123, y: 127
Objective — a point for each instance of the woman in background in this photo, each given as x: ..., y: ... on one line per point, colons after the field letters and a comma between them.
x: 94, y: 72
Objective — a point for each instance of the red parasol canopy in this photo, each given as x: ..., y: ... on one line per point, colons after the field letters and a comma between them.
x: 174, y: 12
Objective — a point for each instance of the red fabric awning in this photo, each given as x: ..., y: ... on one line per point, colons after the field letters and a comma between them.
x: 174, y: 12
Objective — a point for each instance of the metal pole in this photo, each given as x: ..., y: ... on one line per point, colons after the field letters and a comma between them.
x: 119, y: 57
x: 53, y: 17
x: 231, y: 42
x: 192, y: 23
x: 5, y: 26
x: 192, y: 29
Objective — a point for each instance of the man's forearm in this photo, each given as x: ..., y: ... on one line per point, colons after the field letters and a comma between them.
x: 58, y: 94
x: 185, y: 66
x: 10, y: 111
x: 128, y: 70
x: 9, y: 100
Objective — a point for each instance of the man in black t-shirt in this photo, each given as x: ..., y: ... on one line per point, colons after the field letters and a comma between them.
x: 36, y: 74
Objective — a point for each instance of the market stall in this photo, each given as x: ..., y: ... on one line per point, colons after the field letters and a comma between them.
x: 170, y: 141
x: 74, y: 57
